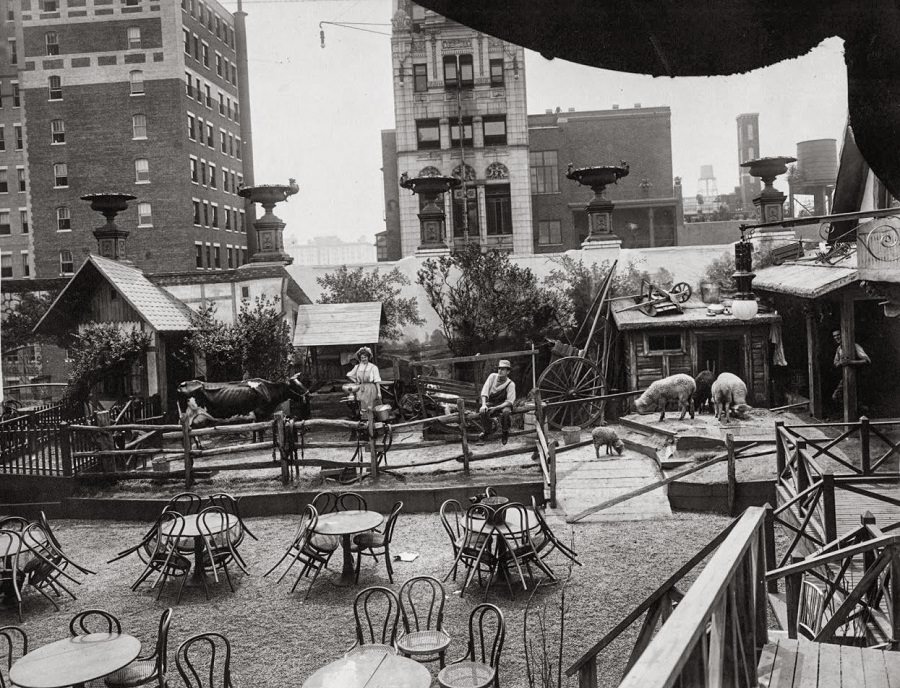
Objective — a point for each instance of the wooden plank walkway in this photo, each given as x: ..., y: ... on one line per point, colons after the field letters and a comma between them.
x: 801, y: 663
x: 849, y: 506
x: 583, y: 481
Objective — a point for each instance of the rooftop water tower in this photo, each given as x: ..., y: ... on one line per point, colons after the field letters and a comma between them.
x: 706, y: 185
x: 815, y: 173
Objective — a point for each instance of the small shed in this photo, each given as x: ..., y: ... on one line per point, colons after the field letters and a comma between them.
x: 691, y: 341
x: 328, y: 334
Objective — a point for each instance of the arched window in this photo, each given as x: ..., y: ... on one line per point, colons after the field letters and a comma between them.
x: 470, y: 173
x: 136, y: 79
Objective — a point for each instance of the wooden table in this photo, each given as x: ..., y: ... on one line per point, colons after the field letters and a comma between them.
x: 215, y: 525
x: 345, y: 524
x: 371, y: 669
x: 75, y: 661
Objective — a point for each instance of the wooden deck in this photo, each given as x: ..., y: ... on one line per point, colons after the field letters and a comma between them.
x: 849, y: 506
x: 789, y: 663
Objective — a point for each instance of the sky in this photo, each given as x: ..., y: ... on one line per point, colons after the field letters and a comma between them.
x: 318, y: 112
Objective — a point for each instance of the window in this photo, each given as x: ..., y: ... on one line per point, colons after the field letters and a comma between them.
x: 51, y: 41
x: 139, y: 126
x: 420, y: 78
x: 208, y: 256
x: 428, y: 134
x: 225, y: 180
x: 208, y: 97
x: 66, y: 264
x: 14, y: 52
x: 751, y: 153
x: 63, y: 219
x: 231, y: 144
x: 4, y: 180
x: 218, y: 64
x: 221, y: 103
x: 206, y: 213
x: 230, y: 254
x: 48, y: 5
x: 5, y: 226
x: 17, y: 130
x: 217, y: 257
x: 466, y: 71
x: 196, y: 50
x: 2, y: 138
x: 458, y: 71
x: 226, y: 211
x: 192, y: 135
x: 549, y: 232
x: 195, y: 172
x: 237, y: 148
x: 189, y: 85
x: 212, y: 176
x: 145, y: 218
x: 203, y: 172
x: 57, y: 131
x: 418, y: 17
x: 495, y: 130
x: 142, y: 171
x: 55, y: 88
x: 499, y: 209
x: 544, y: 170
x: 750, y: 132
x: 451, y: 71
x: 209, y: 136
x: 187, y: 41
x: 496, y: 72
x: 133, y: 35
x: 17, y: 95
x: 136, y: 79
x: 215, y: 215
x: 20, y: 173
x: 23, y: 219
x: 205, y: 49
x: 196, y: 211
x: 662, y: 342
x: 224, y: 140
x: 467, y: 131
x: 26, y: 265
x: 5, y: 262
x: 198, y: 252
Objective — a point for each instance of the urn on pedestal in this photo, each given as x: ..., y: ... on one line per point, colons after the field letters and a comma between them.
x: 600, y: 208
x: 110, y: 237
x: 269, y: 228
x: 432, y: 219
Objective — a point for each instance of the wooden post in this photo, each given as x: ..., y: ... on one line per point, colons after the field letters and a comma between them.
x: 848, y: 348
x: 186, y: 448
x: 864, y: 449
x: 105, y: 442
x: 373, y: 453
x: 278, y: 441
x: 65, y: 448
x: 894, y: 603
x: 828, y: 507
x: 461, y: 409
x: 551, y: 459
x: 793, y: 583
x: 780, y: 452
x: 538, y: 408
x: 771, y: 562
x: 802, y: 472
x: 732, y: 480
x: 813, y: 370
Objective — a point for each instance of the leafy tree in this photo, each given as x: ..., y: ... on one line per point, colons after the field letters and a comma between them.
x: 483, y: 300
x: 358, y: 286
x: 20, y: 321
x: 214, y: 340
x: 719, y: 271
x: 100, y: 350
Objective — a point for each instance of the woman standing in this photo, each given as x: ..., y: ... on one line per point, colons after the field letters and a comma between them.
x: 366, y: 375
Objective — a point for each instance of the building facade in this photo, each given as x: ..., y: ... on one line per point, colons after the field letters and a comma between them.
x: 138, y: 97
x: 459, y: 103
x: 748, y: 149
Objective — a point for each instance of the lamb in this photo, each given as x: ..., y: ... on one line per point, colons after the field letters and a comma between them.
x: 729, y: 395
x: 703, y: 395
x: 678, y: 387
x: 604, y: 435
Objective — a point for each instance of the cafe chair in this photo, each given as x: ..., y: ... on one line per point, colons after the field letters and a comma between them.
x: 230, y: 505
x: 377, y: 613
x: 477, y: 551
x: 480, y: 667
x: 148, y: 537
x: 548, y: 541
x: 310, y: 550
x: 218, y: 549
x: 161, y: 555
x: 185, y: 503
x: 325, y: 502
x: 351, y: 501
x: 16, y: 523
x: 452, y: 519
x: 13, y: 646
x: 374, y: 544
x: 517, y: 544
x: 422, y: 610
x: 12, y: 578
x: 149, y: 669
x: 48, y: 565
x: 204, y: 661
x: 45, y: 524
x: 94, y: 621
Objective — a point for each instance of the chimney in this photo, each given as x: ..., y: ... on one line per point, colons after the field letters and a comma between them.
x: 615, y: 106
x: 637, y: 106
x: 571, y: 109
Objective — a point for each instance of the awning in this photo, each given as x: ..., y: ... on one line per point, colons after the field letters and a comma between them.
x: 338, y: 324
x: 807, y: 280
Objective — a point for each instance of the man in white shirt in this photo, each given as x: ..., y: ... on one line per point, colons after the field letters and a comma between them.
x: 498, y: 394
x: 861, y: 359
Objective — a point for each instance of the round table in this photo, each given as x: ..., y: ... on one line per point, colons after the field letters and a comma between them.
x: 512, y: 521
x: 372, y: 669
x: 345, y: 524
x: 215, y: 524
x: 75, y: 661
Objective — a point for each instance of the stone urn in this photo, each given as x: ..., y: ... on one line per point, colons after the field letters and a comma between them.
x: 770, y: 202
x: 269, y: 228
x: 432, y: 220
x: 110, y: 237
x: 600, y: 208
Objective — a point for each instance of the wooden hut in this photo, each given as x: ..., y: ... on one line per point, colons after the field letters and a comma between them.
x: 328, y: 334
x: 657, y: 346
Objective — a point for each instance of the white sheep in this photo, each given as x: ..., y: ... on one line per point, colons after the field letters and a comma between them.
x: 678, y: 387
x: 603, y: 435
x: 729, y: 395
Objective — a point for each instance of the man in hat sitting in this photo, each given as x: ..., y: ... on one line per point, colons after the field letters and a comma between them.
x: 498, y: 394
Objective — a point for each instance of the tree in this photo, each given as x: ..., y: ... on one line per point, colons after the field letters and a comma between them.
x: 19, y: 323
x: 483, y: 299
x: 214, y: 341
x: 720, y: 270
x: 358, y: 286
x: 100, y: 350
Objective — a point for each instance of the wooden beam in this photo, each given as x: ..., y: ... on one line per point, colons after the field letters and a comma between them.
x: 472, y: 359
x: 848, y: 348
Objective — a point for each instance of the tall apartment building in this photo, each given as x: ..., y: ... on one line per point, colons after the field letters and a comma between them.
x: 134, y: 96
x: 459, y: 104
x: 748, y: 149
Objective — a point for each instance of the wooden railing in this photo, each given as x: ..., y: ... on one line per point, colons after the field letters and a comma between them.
x: 714, y: 636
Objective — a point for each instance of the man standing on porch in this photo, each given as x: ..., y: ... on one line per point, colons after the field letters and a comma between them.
x: 861, y: 359
x: 498, y: 394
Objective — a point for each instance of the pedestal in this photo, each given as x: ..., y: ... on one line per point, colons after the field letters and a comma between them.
x: 773, y: 235
x: 607, y: 248
x: 432, y: 252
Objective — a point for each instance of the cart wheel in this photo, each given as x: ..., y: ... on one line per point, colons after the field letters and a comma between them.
x: 682, y: 292
x: 571, y: 379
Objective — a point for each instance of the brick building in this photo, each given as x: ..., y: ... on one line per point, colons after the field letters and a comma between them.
x: 140, y: 97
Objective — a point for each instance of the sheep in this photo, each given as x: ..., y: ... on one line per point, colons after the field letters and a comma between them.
x: 678, y: 387
x: 729, y: 395
x: 703, y: 395
x: 603, y: 435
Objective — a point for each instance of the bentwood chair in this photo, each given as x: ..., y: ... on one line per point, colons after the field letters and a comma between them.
x: 11, y: 577
x: 310, y: 550
x: 14, y: 523
x: 548, y: 541
x: 374, y: 544
x: 478, y: 550
x: 204, y: 661
x: 230, y: 505
x: 218, y: 549
x: 377, y: 613
x: 325, y: 502
x: 48, y: 565
x: 45, y: 524
x: 94, y: 621
x: 480, y: 666
x: 350, y: 501
x: 185, y: 503
x: 517, y: 543
x: 452, y: 519
x: 422, y: 610
x: 161, y: 556
x: 13, y: 645
x: 149, y: 669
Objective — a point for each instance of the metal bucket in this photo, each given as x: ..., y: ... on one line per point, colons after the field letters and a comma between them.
x: 382, y: 412
x: 571, y: 434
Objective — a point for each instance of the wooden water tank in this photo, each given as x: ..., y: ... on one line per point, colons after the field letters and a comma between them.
x: 817, y: 162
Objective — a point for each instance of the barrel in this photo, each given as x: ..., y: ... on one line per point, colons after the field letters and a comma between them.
x: 571, y: 434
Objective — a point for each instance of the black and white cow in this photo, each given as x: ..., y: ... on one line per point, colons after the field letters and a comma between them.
x: 256, y: 399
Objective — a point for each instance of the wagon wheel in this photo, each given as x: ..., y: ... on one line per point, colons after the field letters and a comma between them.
x: 569, y: 379
x: 681, y: 292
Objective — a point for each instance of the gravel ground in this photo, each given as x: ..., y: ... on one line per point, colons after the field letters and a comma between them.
x: 278, y: 640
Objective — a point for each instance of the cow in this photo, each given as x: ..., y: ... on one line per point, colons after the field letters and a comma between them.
x: 254, y: 399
